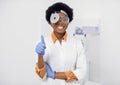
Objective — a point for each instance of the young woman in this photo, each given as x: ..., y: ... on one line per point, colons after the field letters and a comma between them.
x: 61, y: 58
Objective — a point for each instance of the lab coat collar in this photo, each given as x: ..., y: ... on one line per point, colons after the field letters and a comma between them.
x: 54, y: 38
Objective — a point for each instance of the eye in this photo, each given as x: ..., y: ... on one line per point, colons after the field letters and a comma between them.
x: 64, y: 19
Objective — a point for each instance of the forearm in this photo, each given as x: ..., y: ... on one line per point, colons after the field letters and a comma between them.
x: 40, y: 67
x: 40, y: 62
x: 60, y: 75
x: 68, y: 76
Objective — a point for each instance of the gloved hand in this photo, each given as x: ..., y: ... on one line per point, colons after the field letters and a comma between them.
x: 50, y: 72
x: 40, y: 47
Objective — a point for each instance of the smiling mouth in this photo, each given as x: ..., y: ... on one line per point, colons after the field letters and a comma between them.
x: 60, y: 27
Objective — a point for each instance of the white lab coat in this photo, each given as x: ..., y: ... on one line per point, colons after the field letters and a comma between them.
x: 68, y: 56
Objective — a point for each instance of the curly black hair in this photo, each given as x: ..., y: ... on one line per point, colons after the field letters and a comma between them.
x: 57, y: 7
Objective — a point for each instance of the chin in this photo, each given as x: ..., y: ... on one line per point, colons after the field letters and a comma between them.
x: 61, y: 32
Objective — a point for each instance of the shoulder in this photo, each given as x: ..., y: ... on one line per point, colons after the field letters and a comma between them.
x: 78, y: 43
x: 75, y: 39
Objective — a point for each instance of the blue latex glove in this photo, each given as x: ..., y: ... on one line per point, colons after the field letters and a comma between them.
x: 40, y: 47
x: 50, y: 72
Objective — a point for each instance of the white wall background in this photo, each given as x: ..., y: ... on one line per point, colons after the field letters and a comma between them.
x: 20, y: 28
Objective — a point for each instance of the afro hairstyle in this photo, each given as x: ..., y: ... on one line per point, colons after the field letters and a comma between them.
x: 57, y: 7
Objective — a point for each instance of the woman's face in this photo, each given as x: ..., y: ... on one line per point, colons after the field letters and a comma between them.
x: 61, y: 26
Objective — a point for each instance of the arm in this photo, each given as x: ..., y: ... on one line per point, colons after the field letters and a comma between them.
x: 40, y: 62
x: 81, y: 63
x: 40, y: 67
x: 67, y: 76
x: 40, y: 50
x: 60, y: 75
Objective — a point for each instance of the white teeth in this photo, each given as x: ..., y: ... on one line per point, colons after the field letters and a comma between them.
x: 60, y: 27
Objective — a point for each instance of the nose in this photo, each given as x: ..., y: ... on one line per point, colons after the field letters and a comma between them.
x: 59, y: 22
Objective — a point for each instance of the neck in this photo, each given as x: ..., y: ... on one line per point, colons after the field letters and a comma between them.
x: 59, y: 35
